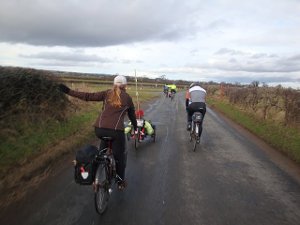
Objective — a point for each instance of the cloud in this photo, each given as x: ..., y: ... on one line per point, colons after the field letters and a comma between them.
x: 294, y: 58
x: 207, y: 40
x: 94, y: 23
x: 234, y: 60
x: 226, y: 51
x: 67, y: 56
x: 252, y: 77
x: 73, y: 58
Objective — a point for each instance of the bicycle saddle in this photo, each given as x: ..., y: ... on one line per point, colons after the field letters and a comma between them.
x: 106, y: 138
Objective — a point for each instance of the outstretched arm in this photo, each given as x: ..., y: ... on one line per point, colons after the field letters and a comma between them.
x: 63, y: 88
x: 97, y: 96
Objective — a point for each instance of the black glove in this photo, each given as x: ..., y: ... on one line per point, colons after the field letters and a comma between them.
x: 63, y: 88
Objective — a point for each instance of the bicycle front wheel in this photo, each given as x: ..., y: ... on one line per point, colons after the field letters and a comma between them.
x: 101, y: 196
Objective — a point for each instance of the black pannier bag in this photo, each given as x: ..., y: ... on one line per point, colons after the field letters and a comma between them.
x: 84, y: 167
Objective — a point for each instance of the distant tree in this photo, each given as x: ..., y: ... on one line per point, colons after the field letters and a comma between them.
x: 237, y: 84
x: 163, y: 77
x: 255, y: 83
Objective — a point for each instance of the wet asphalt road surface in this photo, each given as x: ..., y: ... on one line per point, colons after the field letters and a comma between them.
x: 229, y: 179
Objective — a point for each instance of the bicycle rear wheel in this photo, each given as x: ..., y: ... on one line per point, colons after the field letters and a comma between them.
x: 136, y: 141
x: 194, y: 145
x: 101, y: 196
x: 196, y: 136
x: 191, y: 131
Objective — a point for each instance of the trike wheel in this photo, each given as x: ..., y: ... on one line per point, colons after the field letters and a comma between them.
x: 154, y: 134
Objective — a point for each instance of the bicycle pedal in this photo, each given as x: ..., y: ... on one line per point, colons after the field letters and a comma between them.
x: 74, y: 162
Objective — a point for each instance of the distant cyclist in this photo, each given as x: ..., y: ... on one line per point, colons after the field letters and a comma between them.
x: 195, y: 99
x: 110, y: 122
x: 172, y: 89
x: 165, y: 90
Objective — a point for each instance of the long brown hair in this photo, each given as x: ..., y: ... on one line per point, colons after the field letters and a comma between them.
x: 114, y: 97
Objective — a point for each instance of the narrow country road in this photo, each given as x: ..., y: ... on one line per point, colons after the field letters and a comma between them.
x: 230, y: 179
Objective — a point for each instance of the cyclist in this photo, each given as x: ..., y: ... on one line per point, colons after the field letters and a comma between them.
x: 171, y: 89
x: 195, y: 99
x: 149, y: 128
x: 165, y: 90
x: 110, y: 122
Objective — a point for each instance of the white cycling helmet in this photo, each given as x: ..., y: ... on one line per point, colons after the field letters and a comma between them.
x: 194, y: 84
x: 120, y: 80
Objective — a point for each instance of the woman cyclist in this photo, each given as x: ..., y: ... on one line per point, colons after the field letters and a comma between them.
x: 110, y: 122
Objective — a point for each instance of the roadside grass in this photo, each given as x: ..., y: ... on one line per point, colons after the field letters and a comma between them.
x: 285, y: 139
x: 33, y: 138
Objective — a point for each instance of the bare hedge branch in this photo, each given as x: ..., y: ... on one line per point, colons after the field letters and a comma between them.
x: 30, y: 93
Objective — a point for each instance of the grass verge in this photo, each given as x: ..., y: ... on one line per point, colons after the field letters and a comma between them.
x: 284, y: 139
x: 33, y: 138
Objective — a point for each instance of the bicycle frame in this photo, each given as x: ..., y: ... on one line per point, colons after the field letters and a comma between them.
x: 172, y: 95
x: 105, y: 157
x: 140, y: 135
x: 195, y: 132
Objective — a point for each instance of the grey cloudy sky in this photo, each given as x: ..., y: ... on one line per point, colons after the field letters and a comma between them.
x: 208, y: 40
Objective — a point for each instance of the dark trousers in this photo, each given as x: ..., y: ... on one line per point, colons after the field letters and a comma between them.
x: 118, y: 147
x: 195, y: 107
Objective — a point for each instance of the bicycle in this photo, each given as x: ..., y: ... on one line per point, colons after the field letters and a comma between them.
x: 172, y: 95
x: 196, y: 129
x: 105, y: 175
